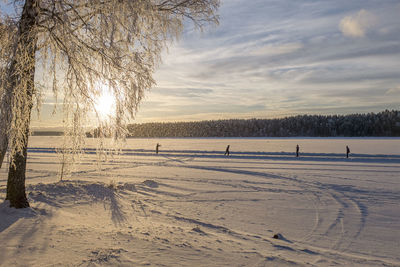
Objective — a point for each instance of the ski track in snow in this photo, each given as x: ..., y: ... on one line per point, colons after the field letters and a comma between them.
x: 197, y: 207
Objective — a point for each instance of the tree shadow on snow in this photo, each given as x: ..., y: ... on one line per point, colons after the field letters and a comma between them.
x: 68, y: 193
x: 11, y: 215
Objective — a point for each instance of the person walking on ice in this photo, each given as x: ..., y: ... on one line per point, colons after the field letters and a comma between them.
x: 347, y: 151
x: 297, y: 151
x: 157, y: 146
x: 227, y: 151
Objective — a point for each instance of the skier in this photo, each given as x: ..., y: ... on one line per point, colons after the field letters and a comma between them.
x: 227, y: 151
x: 297, y: 151
x: 347, y: 151
x: 157, y: 146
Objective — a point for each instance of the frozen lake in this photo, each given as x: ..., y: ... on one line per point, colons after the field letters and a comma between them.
x: 192, y: 206
x: 388, y: 146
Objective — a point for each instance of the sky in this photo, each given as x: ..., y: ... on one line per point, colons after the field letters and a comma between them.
x: 277, y: 58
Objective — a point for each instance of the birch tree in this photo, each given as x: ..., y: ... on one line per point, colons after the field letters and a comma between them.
x: 79, y: 44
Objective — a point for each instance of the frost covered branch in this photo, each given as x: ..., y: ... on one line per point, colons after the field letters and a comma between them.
x: 78, y: 45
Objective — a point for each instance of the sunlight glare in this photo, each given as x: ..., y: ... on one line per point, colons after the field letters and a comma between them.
x: 105, y: 103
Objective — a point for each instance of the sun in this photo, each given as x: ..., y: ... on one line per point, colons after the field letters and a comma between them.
x: 105, y: 102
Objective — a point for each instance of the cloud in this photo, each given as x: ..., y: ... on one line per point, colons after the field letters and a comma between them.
x: 183, y: 92
x: 274, y: 58
x: 277, y: 49
x: 357, y: 25
x: 395, y: 91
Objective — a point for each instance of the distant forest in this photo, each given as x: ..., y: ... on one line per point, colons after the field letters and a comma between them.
x: 386, y: 123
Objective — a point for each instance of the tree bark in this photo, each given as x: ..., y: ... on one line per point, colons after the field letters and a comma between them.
x: 6, y: 109
x: 16, y: 180
x: 5, y: 118
x: 22, y: 77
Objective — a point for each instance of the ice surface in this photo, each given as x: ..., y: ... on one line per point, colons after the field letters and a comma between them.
x: 192, y: 206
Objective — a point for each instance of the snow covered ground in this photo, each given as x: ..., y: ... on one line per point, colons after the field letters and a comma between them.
x: 192, y: 206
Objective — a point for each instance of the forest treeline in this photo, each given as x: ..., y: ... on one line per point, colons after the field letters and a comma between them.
x: 386, y: 123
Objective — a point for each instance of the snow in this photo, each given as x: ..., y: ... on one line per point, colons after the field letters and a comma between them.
x: 192, y: 206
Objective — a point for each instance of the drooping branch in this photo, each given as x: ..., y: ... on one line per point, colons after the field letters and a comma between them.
x: 81, y: 45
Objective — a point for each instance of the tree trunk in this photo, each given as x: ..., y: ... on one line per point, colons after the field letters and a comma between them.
x: 5, y: 118
x: 22, y: 78
x: 6, y: 109
x: 16, y: 180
